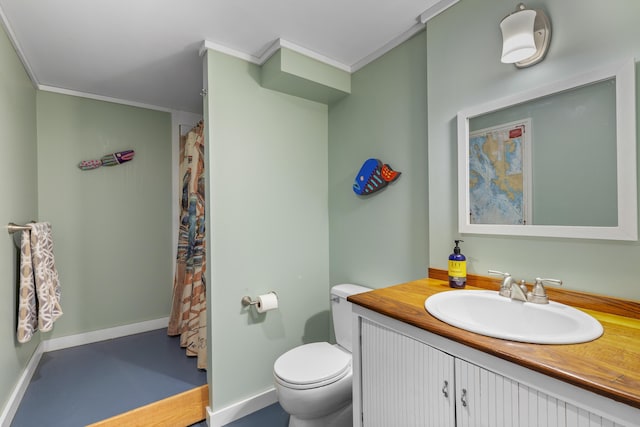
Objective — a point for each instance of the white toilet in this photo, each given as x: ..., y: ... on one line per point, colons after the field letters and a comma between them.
x: 313, y: 381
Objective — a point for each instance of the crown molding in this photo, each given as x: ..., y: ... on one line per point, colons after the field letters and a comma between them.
x: 270, y: 50
x: 259, y: 60
x: 313, y: 55
x: 16, y: 45
x: 34, y: 80
x: 281, y: 43
x: 229, y: 51
x: 388, y: 46
x: 93, y: 96
x: 436, y: 9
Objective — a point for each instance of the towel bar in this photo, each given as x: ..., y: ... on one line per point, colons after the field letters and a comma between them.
x: 14, y: 228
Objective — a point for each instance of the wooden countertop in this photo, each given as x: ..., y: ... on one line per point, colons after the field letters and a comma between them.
x: 609, y: 365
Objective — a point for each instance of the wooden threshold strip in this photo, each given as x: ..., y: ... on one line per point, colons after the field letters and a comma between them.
x: 183, y: 409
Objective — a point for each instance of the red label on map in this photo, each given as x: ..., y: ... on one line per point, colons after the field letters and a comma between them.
x: 515, y: 133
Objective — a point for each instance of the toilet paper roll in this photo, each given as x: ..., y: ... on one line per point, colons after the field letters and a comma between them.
x: 267, y: 302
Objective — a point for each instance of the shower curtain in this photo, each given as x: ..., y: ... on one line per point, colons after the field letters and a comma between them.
x: 189, y: 306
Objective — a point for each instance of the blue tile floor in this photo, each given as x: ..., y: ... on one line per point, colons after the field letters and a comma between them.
x: 85, y: 384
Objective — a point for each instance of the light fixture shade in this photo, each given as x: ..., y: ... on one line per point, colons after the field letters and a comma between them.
x: 517, y: 36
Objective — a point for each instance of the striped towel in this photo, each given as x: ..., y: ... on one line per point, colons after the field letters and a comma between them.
x: 27, y: 310
x: 46, y: 275
x: 39, y: 274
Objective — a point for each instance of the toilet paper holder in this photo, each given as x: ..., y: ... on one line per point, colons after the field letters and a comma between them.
x: 246, y: 300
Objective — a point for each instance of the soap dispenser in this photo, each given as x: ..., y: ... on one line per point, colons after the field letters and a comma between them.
x: 457, y: 268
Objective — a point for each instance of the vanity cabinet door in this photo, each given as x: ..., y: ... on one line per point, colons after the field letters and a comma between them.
x: 486, y: 399
x: 404, y: 381
x: 539, y: 409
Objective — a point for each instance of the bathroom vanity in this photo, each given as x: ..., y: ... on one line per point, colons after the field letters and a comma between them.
x: 411, y: 369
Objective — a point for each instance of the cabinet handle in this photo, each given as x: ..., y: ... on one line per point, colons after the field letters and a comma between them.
x: 445, y: 389
x: 463, y: 398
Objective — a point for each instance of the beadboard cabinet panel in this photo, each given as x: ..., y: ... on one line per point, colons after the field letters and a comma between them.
x: 403, y: 381
x: 484, y: 398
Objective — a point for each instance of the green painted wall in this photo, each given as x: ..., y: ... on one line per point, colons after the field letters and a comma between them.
x: 112, y: 226
x: 381, y: 239
x: 464, y: 70
x: 299, y: 75
x: 268, y: 222
x: 18, y: 195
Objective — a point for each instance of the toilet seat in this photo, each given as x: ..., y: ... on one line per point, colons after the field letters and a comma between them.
x: 312, y: 365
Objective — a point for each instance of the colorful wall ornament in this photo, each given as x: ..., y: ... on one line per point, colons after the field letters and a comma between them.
x: 112, y: 159
x: 373, y: 176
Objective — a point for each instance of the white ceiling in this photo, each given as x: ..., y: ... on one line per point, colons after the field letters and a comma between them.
x: 146, y: 51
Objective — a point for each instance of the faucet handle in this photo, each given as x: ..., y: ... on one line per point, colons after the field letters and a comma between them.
x: 539, y: 295
x: 498, y: 273
x: 505, y: 286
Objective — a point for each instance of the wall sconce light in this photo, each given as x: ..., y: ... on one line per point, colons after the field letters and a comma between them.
x: 526, y: 34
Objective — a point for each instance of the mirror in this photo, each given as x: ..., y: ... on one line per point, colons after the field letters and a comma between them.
x: 557, y: 161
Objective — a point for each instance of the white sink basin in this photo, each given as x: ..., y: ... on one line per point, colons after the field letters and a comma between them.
x: 488, y: 313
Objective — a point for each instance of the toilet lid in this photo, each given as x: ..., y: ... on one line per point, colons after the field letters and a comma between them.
x: 311, y: 364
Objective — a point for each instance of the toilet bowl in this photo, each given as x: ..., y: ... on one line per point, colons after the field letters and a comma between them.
x: 314, y: 381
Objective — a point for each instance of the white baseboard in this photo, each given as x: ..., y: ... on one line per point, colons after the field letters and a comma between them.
x: 19, y: 390
x: 238, y: 410
x: 103, y: 334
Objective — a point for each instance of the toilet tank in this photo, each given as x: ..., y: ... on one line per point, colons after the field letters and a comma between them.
x: 341, y: 312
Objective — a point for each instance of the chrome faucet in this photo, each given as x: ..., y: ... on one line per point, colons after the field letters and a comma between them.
x: 510, y: 288
x: 538, y: 295
x: 519, y: 292
x: 505, y: 287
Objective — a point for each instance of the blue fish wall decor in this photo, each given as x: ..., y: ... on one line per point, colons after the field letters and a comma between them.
x: 373, y: 176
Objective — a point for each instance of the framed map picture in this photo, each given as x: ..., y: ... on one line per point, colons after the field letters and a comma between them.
x: 500, y: 174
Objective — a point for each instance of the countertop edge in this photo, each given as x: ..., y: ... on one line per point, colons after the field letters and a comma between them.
x: 384, y: 301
